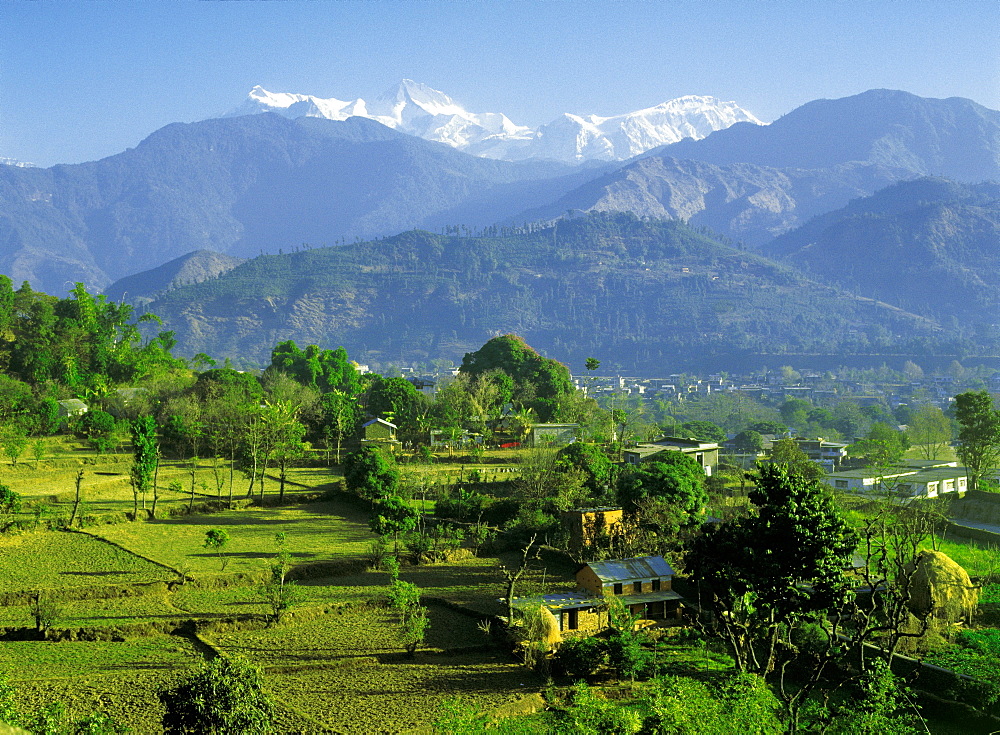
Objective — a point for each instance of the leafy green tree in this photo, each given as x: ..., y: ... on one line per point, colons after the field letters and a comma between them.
x: 10, y: 503
x: 392, y: 515
x: 929, y: 430
x: 146, y: 458
x: 340, y: 417
x: 226, y: 697
x: 795, y: 411
x: 99, y: 428
x: 749, y: 441
x: 788, y: 453
x: 217, y: 539
x: 768, y: 570
x: 768, y: 427
x: 537, y: 382
x: 883, y: 446
x: 14, y: 439
x: 675, y: 478
x: 704, y: 431
x: 404, y: 597
x: 978, y: 434
x: 590, y: 459
x: 369, y: 474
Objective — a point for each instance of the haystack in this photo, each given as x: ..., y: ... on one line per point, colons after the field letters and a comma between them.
x: 545, y: 629
x: 941, y: 587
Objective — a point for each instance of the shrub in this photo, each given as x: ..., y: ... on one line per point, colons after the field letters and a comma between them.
x: 579, y: 658
x: 225, y: 698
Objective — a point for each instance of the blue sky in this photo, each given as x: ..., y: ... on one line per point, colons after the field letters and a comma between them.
x: 83, y: 80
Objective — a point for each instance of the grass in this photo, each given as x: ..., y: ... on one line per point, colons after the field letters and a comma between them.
x: 121, y: 679
x: 51, y: 560
x: 349, y: 670
x: 315, y: 532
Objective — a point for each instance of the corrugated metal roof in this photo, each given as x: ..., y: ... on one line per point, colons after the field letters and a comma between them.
x: 625, y: 570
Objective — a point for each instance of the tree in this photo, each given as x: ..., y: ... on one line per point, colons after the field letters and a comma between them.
x: 787, y: 452
x: 15, y: 440
x: 590, y: 459
x: 393, y: 515
x: 929, y: 430
x: 404, y: 597
x: 978, y: 434
x: 704, y: 431
x: 674, y: 478
x: 146, y: 457
x: 765, y: 572
x: 10, y: 503
x: 368, y: 474
x: 217, y: 539
x: 749, y: 441
x: 226, y: 697
x: 795, y: 411
x: 536, y: 382
x: 882, y: 447
x: 340, y: 417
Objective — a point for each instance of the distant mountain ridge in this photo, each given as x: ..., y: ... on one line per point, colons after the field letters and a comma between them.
x: 419, y: 110
x: 262, y: 183
x: 955, y: 137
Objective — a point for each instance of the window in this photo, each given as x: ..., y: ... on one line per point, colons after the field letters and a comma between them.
x: 618, y: 589
x: 842, y: 484
x: 656, y: 585
x: 637, y: 588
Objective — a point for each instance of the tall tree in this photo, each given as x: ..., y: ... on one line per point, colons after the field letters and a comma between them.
x: 929, y: 430
x: 146, y: 457
x: 978, y: 434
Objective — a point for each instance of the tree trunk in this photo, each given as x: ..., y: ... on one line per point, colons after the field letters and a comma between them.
x: 76, y: 500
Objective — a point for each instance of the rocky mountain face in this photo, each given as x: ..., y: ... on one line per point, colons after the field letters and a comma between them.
x: 929, y: 245
x: 242, y: 186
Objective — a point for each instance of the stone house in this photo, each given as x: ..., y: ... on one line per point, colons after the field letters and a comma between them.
x: 643, y: 584
x: 585, y: 525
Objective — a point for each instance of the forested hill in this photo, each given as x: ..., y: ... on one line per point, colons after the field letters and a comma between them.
x: 931, y: 245
x: 639, y: 293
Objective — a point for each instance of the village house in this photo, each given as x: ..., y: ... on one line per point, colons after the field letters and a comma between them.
x: 705, y: 453
x: 643, y: 584
x: 915, y: 479
x: 379, y: 432
x: 586, y: 525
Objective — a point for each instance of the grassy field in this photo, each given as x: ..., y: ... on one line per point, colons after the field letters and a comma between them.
x: 324, y: 531
x: 121, y: 679
x: 350, y: 672
x: 52, y: 560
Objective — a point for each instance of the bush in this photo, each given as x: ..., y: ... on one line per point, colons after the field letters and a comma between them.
x: 579, y: 658
x: 225, y: 698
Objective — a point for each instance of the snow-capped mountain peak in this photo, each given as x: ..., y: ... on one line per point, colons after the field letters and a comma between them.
x: 416, y: 109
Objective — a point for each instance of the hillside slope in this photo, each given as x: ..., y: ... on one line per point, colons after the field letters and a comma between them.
x: 638, y: 292
x: 929, y: 245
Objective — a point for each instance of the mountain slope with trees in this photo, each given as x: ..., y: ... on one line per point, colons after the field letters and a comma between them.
x: 644, y: 291
x: 929, y: 245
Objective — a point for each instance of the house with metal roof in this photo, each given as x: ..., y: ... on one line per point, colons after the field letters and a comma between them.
x: 643, y: 584
x: 914, y: 479
x: 704, y: 453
